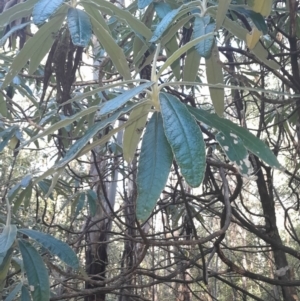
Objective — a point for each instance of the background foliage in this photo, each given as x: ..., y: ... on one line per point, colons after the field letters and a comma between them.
x: 149, y: 150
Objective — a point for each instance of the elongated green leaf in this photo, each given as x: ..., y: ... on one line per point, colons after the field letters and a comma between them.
x: 154, y: 167
x: 191, y: 66
x: 24, y: 196
x: 11, y: 31
x: 252, y: 143
x: 259, y: 51
x: 170, y: 48
x: 235, y: 151
x: 25, y: 296
x: 114, y: 51
x: 14, y: 292
x: 3, y: 106
x: 162, y: 9
x: 203, y: 26
x: 60, y: 124
x: 214, y: 74
x: 125, y: 15
x: 223, y: 6
x: 80, y: 27
x: 33, y: 46
x: 17, y: 11
x: 55, y: 246
x: 185, y: 138
x: 77, y: 147
x: 5, y: 259
x: 143, y: 3
x: 7, y: 237
x: 256, y: 18
x: 164, y: 24
x: 133, y: 132
x: 96, y: 14
x: 45, y: 9
x: 182, y: 50
x: 120, y: 100
x: 36, y: 59
x: 36, y: 271
x: 22, y: 184
x: 92, y: 201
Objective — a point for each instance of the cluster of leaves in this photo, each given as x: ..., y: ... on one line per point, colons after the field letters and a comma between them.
x: 172, y: 131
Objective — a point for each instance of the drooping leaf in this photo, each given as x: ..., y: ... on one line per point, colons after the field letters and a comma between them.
x: 162, y: 9
x: 78, y: 146
x: 17, y: 11
x: 22, y: 184
x: 125, y: 15
x: 45, y: 9
x: 214, y: 74
x: 45, y: 35
x: 143, y: 3
x: 133, y: 132
x: 7, y: 237
x: 80, y: 203
x: 92, y: 201
x: 185, y: 138
x: 11, y: 31
x: 96, y: 14
x: 5, y: 259
x: 256, y: 18
x: 36, y: 271
x: 25, y: 296
x: 24, y: 196
x: 62, y: 123
x: 223, y: 6
x: 191, y: 66
x: 182, y: 50
x: 264, y: 7
x: 154, y: 167
x: 235, y: 151
x: 203, y: 26
x: 55, y: 246
x: 114, y: 51
x: 252, y: 143
x: 80, y: 27
x: 252, y: 38
x: 14, y: 292
x: 164, y: 24
x: 115, y: 103
x: 6, y: 135
x: 170, y: 48
x: 3, y: 106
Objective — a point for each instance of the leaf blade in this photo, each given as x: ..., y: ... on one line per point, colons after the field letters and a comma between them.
x: 80, y: 27
x: 36, y: 272
x: 252, y: 143
x: 7, y: 237
x: 154, y: 166
x: 185, y: 139
x: 45, y: 9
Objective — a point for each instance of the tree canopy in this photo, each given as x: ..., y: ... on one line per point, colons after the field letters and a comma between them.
x: 150, y: 150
